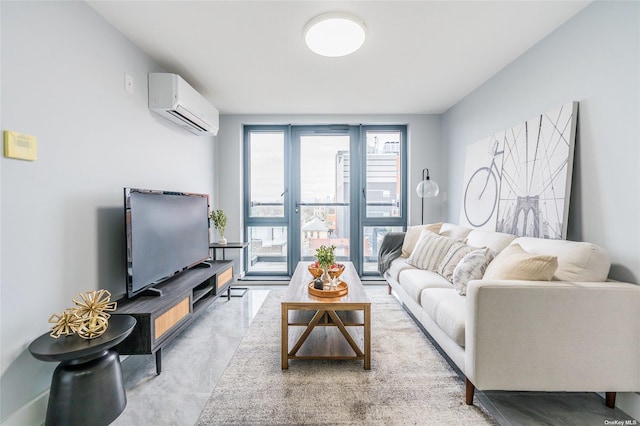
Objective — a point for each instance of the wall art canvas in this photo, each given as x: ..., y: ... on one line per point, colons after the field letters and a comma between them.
x: 483, y: 171
x: 537, y: 166
x: 518, y: 180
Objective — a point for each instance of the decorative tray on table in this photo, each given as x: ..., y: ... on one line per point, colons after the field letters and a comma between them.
x: 340, y: 290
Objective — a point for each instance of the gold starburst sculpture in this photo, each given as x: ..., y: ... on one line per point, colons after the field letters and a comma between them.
x: 90, y: 317
x: 94, y: 303
x: 66, y: 323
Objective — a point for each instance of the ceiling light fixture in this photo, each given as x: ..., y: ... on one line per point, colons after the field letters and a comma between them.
x: 334, y: 34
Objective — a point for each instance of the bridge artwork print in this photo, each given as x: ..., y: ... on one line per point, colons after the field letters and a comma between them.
x: 518, y: 180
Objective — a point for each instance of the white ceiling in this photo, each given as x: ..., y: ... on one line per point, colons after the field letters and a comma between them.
x: 248, y: 57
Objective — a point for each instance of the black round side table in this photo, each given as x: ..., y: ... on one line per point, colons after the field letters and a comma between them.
x: 87, y: 386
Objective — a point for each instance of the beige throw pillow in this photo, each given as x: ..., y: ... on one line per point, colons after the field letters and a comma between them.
x: 455, y: 254
x: 514, y: 263
x: 413, y: 234
x: 430, y: 250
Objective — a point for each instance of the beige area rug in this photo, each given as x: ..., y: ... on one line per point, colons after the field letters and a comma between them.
x: 409, y: 382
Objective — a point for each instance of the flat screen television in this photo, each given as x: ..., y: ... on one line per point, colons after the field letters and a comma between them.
x: 166, y: 232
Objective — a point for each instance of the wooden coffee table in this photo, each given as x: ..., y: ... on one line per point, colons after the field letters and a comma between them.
x: 326, y: 328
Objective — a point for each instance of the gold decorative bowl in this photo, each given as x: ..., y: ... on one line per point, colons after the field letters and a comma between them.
x: 334, y: 272
x: 316, y: 272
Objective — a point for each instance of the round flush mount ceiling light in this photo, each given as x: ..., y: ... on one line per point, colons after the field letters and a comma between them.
x: 334, y: 34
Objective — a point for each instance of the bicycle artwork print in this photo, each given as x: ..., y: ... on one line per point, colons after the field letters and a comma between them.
x: 483, y: 171
x: 518, y: 181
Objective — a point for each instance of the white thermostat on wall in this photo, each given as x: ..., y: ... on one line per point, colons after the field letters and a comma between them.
x: 20, y: 146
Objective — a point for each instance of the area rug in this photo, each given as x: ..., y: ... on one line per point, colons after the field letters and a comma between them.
x: 409, y: 382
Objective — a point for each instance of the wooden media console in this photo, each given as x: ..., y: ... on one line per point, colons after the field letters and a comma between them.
x: 161, y: 318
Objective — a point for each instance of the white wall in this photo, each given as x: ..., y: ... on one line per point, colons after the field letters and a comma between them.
x: 62, y: 217
x: 423, y: 151
x: 593, y: 59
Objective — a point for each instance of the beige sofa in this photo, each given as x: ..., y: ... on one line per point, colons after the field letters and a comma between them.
x: 577, y: 332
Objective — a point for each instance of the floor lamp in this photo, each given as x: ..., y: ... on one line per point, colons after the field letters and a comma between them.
x: 426, y: 188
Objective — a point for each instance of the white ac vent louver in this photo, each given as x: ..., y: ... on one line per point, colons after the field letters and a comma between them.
x: 174, y: 99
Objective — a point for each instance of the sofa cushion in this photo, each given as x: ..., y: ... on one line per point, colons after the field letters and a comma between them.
x: 412, y: 236
x: 471, y: 267
x: 447, y: 309
x: 496, y: 241
x: 454, y: 231
x: 430, y: 250
x: 577, y: 261
x: 455, y: 254
x: 515, y: 263
x: 398, y: 265
x: 413, y: 281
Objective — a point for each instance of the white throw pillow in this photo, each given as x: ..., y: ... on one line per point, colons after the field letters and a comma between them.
x: 412, y: 236
x: 430, y: 250
x: 455, y: 254
x: 471, y: 267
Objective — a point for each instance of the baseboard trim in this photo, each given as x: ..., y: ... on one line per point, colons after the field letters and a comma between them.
x: 32, y: 413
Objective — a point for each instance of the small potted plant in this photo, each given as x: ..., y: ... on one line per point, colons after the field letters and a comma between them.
x: 326, y: 256
x: 219, y: 220
x: 326, y: 265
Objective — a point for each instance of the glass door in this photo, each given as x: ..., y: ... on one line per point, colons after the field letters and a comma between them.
x: 322, y: 191
x: 307, y: 186
x: 266, y: 212
x: 384, y: 188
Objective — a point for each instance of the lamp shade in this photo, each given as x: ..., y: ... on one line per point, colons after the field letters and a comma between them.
x: 427, y: 189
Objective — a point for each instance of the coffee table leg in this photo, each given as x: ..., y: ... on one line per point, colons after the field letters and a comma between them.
x: 367, y: 337
x: 285, y: 336
x: 338, y: 322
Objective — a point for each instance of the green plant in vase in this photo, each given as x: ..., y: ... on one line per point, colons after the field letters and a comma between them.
x: 219, y: 220
x: 326, y: 258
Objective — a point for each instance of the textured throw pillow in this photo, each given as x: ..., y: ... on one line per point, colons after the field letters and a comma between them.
x: 514, y: 263
x: 430, y: 250
x: 455, y: 254
x: 412, y: 236
x: 471, y: 267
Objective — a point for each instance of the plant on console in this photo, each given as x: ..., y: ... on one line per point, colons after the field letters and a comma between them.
x: 219, y: 220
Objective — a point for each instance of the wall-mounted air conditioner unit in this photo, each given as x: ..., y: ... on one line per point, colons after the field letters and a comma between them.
x: 174, y: 99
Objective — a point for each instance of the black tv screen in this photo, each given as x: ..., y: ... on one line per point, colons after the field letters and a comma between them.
x: 167, y: 232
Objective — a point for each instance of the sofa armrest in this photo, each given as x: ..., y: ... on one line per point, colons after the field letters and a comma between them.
x: 390, y: 249
x: 553, y: 336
